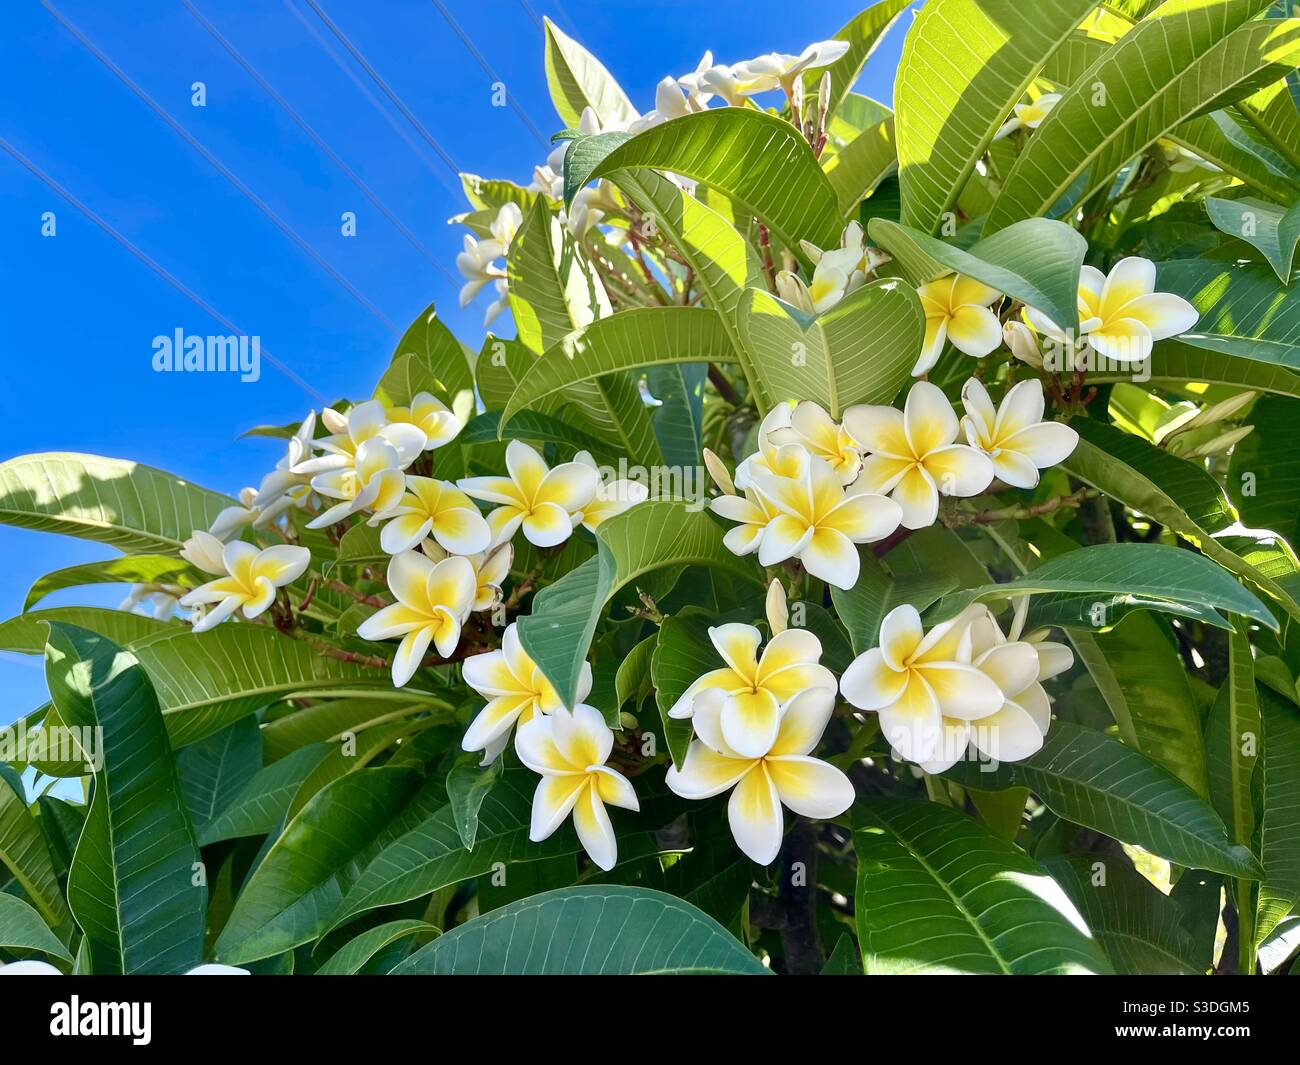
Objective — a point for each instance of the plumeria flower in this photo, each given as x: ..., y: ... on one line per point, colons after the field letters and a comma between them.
x: 751, y: 689
x: 500, y: 305
x: 836, y: 272
x: 752, y: 511
x: 366, y: 421
x: 819, y: 522
x: 697, y: 91
x: 819, y: 434
x: 376, y: 482
x: 159, y: 600
x: 433, y: 508
x: 1180, y: 160
x: 1121, y: 314
x: 547, y: 503
x: 1030, y: 115
x: 280, y: 489
x: 490, y: 569
x: 610, y: 499
x: 1022, y: 342
x: 721, y: 80
x: 433, y: 600
x: 430, y: 415
x: 784, y: 774
x: 250, y: 581
x: 957, y: 309
x: 777, y: 459
x: 228, y: 523
x: 570, y: 750
x: 778, y: 70
x: 912, y: 455
x: 1014, y: 435
x: 477, y: 264
x: 915, y: 679
x: 516, y: 691
x: 203, y: 551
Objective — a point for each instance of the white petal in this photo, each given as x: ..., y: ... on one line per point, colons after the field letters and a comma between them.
x: 754, y: 813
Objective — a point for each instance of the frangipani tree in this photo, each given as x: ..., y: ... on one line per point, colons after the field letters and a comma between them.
x: 879, y: 520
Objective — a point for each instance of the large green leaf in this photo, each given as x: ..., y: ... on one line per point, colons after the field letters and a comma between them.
x: 299, y: 884
x: 21, y: 928
x: 878, y: 591
x: 132, y: 886
x: 863, y: 33
x: 940, y: 893
x: 1176, y: 365
x: 649, y: 336
x: 857, y: 168
x: 356, y: 954
x: 1279, y: 836
x: 862, y: 350
x: 1273, y: 113
x: 965, y: 64
x: 427, y: 358
x: 760, y: 162
x: 25, y: 856
x: 554, y: 291
x: 131, y: 569
x: 124, y: 504
x: 650, y: 536
x: 577, y: 80
x: 1219, y: 140
x: 587, y: 931
x: 1096, y: 781
x: 1264, y: 475
x: 1185, y: 59
x: 26, y: 634
x: 262, y: 803
x: 1233, y: 737
x: 530, y: 426
x: 1273, y: 230
x: 1036, y: 261
x: 1139, y: 928
x: 214, y: 771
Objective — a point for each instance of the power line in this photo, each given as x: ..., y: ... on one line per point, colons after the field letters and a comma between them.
x: 161, y: 271
x: 221, y: 168
x: 307, y: 129
x: 487, y: 69
x: 383, y: 85
x: 528, y: 10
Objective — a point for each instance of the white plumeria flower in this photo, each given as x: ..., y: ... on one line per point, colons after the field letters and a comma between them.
x: 477, y: 262
x: 375, y: 482
x: 231, y: 520
x: 777, y: 459
x: 159, y: 600
x: 721, y: 80
x: 547, y: 182
x: 751, y: 689
x: 819, y: 522
x: 250, y: 581
x: 500, y: 305
x: 1014, y: 435
x: 783, y: 774
x: 433, y: 600
x: 916, y: 679
x: 778, y: 70
x: 203, y: 551
x: 1121, y: 315
x: 957, y: 309
x: 582, y: 213
x: 912, y: 455
x: 610, y: 499
x: 436, y: 508
x: 547, y: 503
x: 1030, y: 115
x: 490, y: 570
x: 819, y: 434
x: 836, y: 272
x: 366, y: 421
x: 516, y: 691
x: 1180, y: 160
x: 1022, y: 342
x: 276, y: 485
x: 430, y: 415
x: 697, y: 91
x: 569, y: 750
x: 776, y: 607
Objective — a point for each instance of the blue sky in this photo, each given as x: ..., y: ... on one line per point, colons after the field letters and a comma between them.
x: 80, y: 313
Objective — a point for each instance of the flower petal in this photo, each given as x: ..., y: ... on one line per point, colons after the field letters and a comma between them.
x: 900, y: 635
x: 410, y: 653
x: 754, y: 813
x: 809, y: 786
x: 803, y: 721
x: 974, y: 330
x: 1044, y: 444
x: 570, y: 486
x: 547, y: 525
x: 554, y: 798
x: 595, y: 832
x: 705, y: 772
x: 1012, y: 666
x: 959, y: 470
x: 869, y: 684
x: 928, y: 418
x: 878, y: 429
x: 750, y: 721
x: 918, y: 498
x: 962, y: 691
x: 494, y: 721
x: 738, y: 646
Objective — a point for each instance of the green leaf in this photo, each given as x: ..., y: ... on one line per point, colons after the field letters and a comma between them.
x: 26, y: 634
x: 1154, y: 570
x: 557, y: 634
x: 843, y: 960
x: 682, y: 654
x: 532, y: 427
x: 1264, y: 473
x: 1096, y: 781
x: 291, y: 895
x: 1273, y: 230
x: 263, y: 802
x: 123, y: 504
x: 1185, y: 59
x: 468, y: 785
x: 760, y: 162
x: 965, y: 64
x: 1279, y: 836
x: 216, y: 770
x: 679, y: 417
x: 629, y: 340
x: 577, y: 80
x: 1233, y: 739
x: 357, y: 953
x: 133, y: 569
x: 939, y: 893
x: 1139, y: 928
x: 863, y: 33
x: 1273, y: 113
x: 1177, y: 365
x: 1036, y: 261
x: 428, y: 358
x: 588, y: 931
x: 1219, y: 140
x: 553, y: 292
x: 862, y: 350
x: 25, y: 855
x: 863, y: 607
x: 632, y: 678
x: 22, y: 928
x: 857, y: 168
x: 132, y: 885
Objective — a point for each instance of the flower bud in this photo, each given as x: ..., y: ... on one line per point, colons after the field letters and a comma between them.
x: 1020, y: 339
x: 778, y: 614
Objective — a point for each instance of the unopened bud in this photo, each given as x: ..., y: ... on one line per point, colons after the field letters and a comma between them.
x: 1019, y: 338
x: 778, y: 614
x: 718, y: 471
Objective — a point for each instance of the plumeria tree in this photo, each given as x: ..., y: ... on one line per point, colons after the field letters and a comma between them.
x: 870, y: 548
